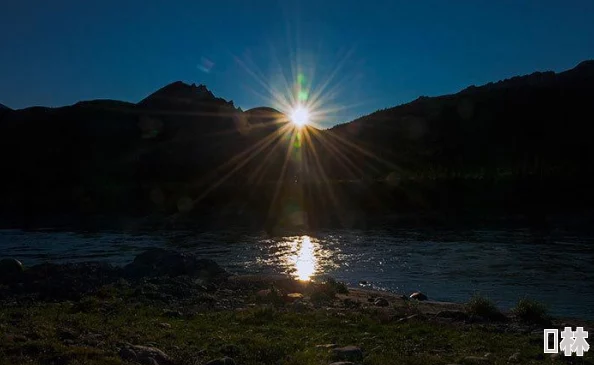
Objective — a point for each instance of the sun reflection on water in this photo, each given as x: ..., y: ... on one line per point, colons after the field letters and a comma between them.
x: 304, y: 260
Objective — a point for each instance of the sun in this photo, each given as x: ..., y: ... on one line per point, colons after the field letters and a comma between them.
x: 300, y: 116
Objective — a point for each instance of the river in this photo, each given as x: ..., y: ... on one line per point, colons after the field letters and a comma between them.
x: 504, y: 265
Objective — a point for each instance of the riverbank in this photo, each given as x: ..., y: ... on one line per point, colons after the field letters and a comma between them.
x: 169, y: 308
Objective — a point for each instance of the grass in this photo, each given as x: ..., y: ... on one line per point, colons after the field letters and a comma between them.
x: 531, y: 311
x: 35, y: 334
x: 263, y: 329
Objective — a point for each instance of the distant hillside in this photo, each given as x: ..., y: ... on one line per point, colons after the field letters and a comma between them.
x: 536, y: 124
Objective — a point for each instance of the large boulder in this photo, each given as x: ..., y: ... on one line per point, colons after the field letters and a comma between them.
x: 10, y: 267
x: 418, y: 296
x: 161, y: 262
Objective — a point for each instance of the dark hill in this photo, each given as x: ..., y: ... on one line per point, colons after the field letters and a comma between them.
x: 535, y: 124
x: 516, y: 147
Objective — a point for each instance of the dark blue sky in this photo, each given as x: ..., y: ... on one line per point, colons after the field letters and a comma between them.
x: 383, y: 53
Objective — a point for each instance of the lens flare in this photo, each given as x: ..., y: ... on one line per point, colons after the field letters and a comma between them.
x: 300, y: 116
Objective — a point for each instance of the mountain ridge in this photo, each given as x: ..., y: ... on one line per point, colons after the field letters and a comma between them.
x: 500, y: 148
x: 534, y: 78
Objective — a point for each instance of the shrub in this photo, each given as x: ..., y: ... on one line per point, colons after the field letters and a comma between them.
x: 532, y: 311
x: 483, y: 307
x: 274, y: 297
x: 334, y: 287
x: 320, y: 298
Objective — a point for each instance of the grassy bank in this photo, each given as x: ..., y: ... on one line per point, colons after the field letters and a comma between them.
x: 260, y: 327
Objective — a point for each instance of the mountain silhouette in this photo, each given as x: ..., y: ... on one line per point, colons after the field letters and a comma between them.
x: 534, y: 124
x: 517, y: 146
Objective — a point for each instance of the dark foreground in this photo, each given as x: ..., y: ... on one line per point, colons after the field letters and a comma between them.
x: 171, y: 309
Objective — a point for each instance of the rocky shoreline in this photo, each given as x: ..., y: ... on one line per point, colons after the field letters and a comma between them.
x: 182, y: 287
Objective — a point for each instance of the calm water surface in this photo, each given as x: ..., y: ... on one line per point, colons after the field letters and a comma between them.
x: 557, y: 269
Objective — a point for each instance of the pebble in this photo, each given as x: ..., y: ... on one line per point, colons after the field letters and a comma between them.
x: 475, y: 360
x: 413, y: 316
x: 327, y: 346
x: 348, y: 353
x: 381, y: 302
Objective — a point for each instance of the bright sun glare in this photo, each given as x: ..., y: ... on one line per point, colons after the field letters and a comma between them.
x: 300, y: 116
x: 305, y: 260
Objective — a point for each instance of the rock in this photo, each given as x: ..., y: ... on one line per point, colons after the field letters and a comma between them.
x: 350, y: 303
x: 300, y: 306
x: 172, y: 313
x: 348, y: 353
x: 67, y: 334
x: 412, y: 316
x: 418, y: 296
x: 144, y: 353
x: 291, y: 297
x: 263, y: 293
x: 514, y: 358
x: 381, y: 302
x: 222, y: 361
x: 10, y: 267
x: 343, y: 363
x: 365, y: 284
x: 19, y: 338
x: 149, y: 361
x: 158, y: 262
x: 229, y: 350
x: 128, y: 354
x: 164, y: 325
